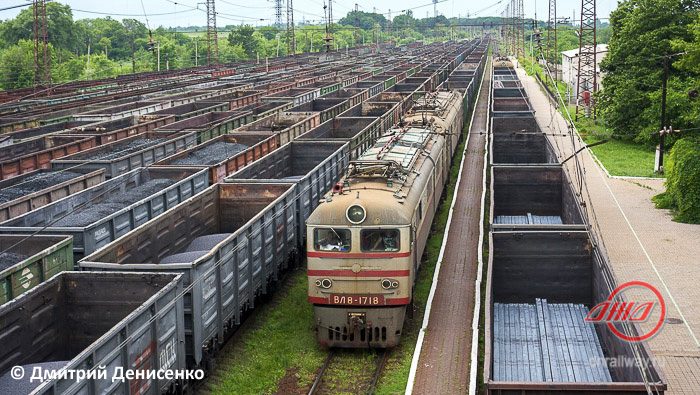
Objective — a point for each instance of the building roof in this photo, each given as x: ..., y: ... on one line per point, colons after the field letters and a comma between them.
x: 600, y: 48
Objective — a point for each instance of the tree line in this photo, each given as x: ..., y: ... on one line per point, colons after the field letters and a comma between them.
x: 105, y: 47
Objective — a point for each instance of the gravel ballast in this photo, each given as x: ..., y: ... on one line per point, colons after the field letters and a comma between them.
x: 35, y: 183
x: 122, y: 149
x: 211, y: 154
x: 8, y: 259
x: 114, y: 201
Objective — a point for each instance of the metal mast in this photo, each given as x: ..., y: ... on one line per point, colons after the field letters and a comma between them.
x: 435, y: 3
x: 520, y: 29
x: 291, y: 39
x: 278, y: 13
x: 42, y: 60
x: 587, y: 81
x: 329, y: 36
x: 552, y: 48
x: 212, y: 34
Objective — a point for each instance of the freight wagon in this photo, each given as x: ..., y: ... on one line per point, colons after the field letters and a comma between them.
x: 61, y: 324
x: 519, y: 140
x: 211, y: 124
x: 545, y: 273
x: 225, y: 154
x: 230, y: 242
x: 289, y: 126
x: 26, y: 262
x: 361, y: 133
x: 30, y: 155
x: 121, y: 111
x: 110, y: 131
x: 314, y: 167
x: 190, y: 110
x: 128, y: 154
x: 98, y: 215
x: 35, y: 189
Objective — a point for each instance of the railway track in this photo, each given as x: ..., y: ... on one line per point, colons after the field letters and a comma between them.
x: 363, y: 379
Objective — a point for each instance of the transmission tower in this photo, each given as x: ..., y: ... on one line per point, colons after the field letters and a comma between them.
x: 435, y: 3
x: 587, y: 81
x: 278, y: 13
x: 329, y: 37
x: 42, y: 60
x: 212, y: 34
x: 551, y: 54
x: 291, y: 38
x: 520, y: 28
x: 357, y: 25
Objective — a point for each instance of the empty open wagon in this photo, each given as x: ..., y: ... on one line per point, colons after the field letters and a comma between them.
x: 121, y: 111
x: 230, y: 242
x: 225, y: 154
x: 128, y: 154
x: 361, y: 133
x: 532, y: 196
x: 327, y: 108
x: 190, y: 110
x: 519, y: 140
x: 211, y: 124
x: 313, y: 166
x: 540, y: 286
x: 22, y: 194
x: 511, y: 106
x: 98, y: 215
x: 26, y: 262
x: 289, y: 126
x: 62, y: 324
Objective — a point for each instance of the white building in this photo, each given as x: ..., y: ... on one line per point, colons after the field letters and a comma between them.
x: 569, y: 66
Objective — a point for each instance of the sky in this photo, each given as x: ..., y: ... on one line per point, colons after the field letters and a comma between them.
x: 261, y: 12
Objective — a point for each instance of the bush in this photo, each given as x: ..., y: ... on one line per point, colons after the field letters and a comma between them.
x: 683, y: 182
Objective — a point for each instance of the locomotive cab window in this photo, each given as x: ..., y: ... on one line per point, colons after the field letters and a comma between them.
x: 380, y: 240
x: 332, y: 239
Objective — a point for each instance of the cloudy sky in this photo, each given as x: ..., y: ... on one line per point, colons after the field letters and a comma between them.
x: 185, y: 12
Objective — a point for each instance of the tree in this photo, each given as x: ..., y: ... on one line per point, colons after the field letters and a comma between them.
x: 17, y: 63
x: 244, y: 36
x: 642, y: 36
x: 60, y: 26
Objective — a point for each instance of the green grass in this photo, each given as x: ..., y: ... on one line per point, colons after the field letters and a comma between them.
x: 282, y: 338
x: 620, y: 158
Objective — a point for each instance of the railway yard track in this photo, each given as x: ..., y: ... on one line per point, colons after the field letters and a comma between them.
x: 204, y: 176
x: 365, y: 376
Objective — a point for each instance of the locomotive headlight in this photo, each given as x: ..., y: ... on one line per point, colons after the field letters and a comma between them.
x: 388, y: 283
x: 356, y: 214
x: 324, y: 283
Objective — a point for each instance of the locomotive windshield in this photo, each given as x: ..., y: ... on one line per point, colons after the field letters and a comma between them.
x: 380, y: 240
x: 332, y: 239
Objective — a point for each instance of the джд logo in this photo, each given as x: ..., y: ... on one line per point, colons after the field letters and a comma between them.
x: 613, y: 310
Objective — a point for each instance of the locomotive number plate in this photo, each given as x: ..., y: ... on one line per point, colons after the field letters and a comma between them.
x: 357, y: 300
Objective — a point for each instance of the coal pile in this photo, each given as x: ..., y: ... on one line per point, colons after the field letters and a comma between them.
x: 35, y: 183
x: 122, y: 149
x: 114, y: 201
x: 211, y: 154
x: 8, y: 259
x: 206, y: 243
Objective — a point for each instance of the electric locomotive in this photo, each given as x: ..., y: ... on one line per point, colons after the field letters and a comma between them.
x: 366, y: 238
